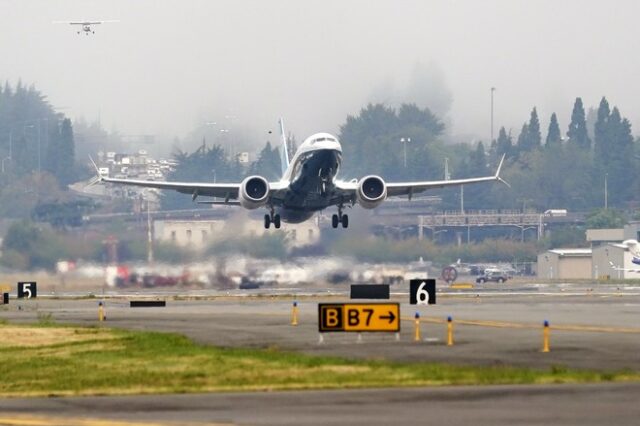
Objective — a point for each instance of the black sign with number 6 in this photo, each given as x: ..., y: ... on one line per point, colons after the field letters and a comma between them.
x: 422, y: 292
x: 27, y: 290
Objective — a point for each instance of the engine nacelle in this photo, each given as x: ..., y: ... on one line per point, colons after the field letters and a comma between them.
x: 254, y: 192
x: 372, y: 191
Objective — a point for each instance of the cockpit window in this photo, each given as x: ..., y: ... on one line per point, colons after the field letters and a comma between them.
x: 322, y: 140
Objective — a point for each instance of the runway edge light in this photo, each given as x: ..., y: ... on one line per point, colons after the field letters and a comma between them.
x: 545, y: 337
x: 294, y: 313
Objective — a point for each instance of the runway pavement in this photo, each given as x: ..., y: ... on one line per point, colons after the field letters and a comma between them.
x: 599, y: 331
x: 584, y: 405
x: 498, y: 326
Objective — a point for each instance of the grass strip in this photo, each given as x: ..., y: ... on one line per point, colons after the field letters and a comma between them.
x: 95, y: 361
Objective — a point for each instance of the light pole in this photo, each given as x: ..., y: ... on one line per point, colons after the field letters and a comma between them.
x: 493, y: 89
x: 24, y: 132
x: 404, y: 142
x: 10, y: 149
x: 606, y: 195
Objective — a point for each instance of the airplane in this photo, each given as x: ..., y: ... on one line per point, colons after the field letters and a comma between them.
x: 86, y: 25
x: 634, y: 249
x: 308, y: 184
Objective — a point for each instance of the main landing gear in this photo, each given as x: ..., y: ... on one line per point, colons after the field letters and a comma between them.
x: 340, y: 218
x: 271, y: 218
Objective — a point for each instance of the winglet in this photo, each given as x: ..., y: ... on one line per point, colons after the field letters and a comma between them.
x: 284, y: 157
x: 498, y: 178
x: 95, y: 166
x: 98, y: 176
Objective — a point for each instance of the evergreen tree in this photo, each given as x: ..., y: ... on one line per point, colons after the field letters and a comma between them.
x: 601, y: 132
x: 292, y: 145
x: 268, y: 163
x: 553, y: 135
x: 65, y: 154
x: 577, y: 132
x: 477, y: 166
x: 478, y: 163
x: 535, y: 137
x: 371, y: 143
x: 504, y: 144
x: 529, y: 140
x: 620, y: 157
x: 523, y: 139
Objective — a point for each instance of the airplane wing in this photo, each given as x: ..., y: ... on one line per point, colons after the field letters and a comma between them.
x: 409, y: 188
x: 85, y: 22
x: 228, y: 191
x: 617, y: 268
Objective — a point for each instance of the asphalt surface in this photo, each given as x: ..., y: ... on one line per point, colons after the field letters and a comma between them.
x: 614, y: 404
x: 597, y: 329
x: 593, y: 330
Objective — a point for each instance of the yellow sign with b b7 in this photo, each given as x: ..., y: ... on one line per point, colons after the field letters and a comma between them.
x: 358, y: 317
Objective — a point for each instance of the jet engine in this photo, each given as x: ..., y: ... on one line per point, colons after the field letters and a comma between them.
x: 254, y: 192
x: 372, y: 191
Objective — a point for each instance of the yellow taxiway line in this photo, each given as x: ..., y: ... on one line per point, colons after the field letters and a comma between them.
x: 27, y: 420
x: 507, y: 324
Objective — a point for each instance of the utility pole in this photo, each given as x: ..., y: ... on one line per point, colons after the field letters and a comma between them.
x: 149, y: 236
x: 404, y: 144
x: 606, y: 195
x: 493, y: 89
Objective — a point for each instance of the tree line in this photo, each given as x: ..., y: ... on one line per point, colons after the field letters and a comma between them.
x: 573, y: 171
x: 547, y: 168
x: 33, y: 136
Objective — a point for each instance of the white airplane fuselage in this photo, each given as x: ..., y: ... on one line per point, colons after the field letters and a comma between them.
x: 311, y: 177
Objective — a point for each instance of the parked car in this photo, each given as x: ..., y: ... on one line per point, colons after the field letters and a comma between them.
x: 492, y: 275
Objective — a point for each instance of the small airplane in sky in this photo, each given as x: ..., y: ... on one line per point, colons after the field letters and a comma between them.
x: 85, y: 25
x: 309, y: 184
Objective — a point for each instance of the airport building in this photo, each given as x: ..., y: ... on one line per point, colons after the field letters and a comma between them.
x: 600, y: 237
x: 565, y: 264
x: 198, y: 233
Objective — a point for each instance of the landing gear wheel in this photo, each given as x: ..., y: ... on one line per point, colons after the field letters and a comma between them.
x: 267, y: 221
x: 276, y: 221
x: 345, y: 221
x: 334, y: 221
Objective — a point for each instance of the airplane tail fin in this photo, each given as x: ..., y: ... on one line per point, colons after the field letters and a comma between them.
x: 284, y: 153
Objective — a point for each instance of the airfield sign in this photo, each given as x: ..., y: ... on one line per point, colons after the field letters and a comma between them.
x: 27, y: 290
x: 359, y: 317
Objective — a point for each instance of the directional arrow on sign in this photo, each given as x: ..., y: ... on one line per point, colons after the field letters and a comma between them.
x: 391, y: 317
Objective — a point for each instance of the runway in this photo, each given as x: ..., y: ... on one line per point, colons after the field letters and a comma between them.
x: 486, y: 405
x: 589, y: 330
x: 593, y: 331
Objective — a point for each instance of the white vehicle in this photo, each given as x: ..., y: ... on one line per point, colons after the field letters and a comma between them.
x: 309, y: 184
x: 556, y: 213
x: 415, y: 273
x: 284, y: 275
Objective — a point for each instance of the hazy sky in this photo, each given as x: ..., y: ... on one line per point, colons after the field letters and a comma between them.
x: 169, y: 66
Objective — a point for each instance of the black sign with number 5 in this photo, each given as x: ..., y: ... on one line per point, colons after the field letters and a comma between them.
x: 422, y: 292
x: 27, y: 290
